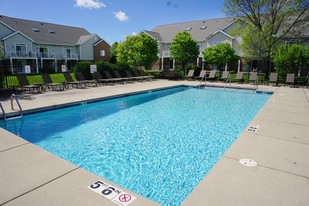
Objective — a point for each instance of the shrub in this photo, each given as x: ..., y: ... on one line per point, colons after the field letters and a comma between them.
x: 83, y: 66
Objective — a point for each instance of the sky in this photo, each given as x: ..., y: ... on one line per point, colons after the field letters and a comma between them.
x: 113, y: 20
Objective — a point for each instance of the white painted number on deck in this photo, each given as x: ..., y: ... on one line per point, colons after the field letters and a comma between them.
x: 112, y: 193
x: 253, y: 128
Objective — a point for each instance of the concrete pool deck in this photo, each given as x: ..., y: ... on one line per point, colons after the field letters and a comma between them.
x: 33, y: 176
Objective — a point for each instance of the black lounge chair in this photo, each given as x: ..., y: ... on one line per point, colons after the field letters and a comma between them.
x: 50, y: 84
x: 146, y: 77
x: 25, y: 86
x: 109, y: 76
x: 70, y: 81
x: 118, y: 76
x: 81, y: 78
x: 130, y: 76
x: 99, y: 78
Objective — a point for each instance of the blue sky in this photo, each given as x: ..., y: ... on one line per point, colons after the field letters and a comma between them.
x: 113, y: 20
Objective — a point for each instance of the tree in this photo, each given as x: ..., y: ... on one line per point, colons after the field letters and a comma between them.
x: 290, y: 58
x: 220, y: 54
x: 269, y: 21
x: 1, y: 53
x: 184, y: 49
x: 113, y: 50
x: 138, y: 50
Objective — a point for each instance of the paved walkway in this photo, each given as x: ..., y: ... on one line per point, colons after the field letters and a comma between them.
x: 32, y: 176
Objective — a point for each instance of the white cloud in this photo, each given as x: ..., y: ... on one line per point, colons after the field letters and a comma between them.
x: 121, y: 16
x: 89, y: 4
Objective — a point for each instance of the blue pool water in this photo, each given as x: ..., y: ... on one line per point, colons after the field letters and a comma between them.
x: 158, y: 144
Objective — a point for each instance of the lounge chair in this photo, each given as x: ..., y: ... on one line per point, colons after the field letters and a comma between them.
x: 273, y: 78
x: 225, y: 75
x: 290, y: 77
x: 130, y: 76
x: 109, y: 76
x: 253, y: 76
x: 25, y: 86
x: 70, y: 81
x: 239, y: 77
x: 49, y: 83
x: 202, y: 75
x: 146, y: 77
x: 190, y: 74
x: 98, y: 76
x: 81, y: 78
x: 212, y: 75
x: 118, y: 76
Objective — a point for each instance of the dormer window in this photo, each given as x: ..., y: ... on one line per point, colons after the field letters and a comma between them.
x: 203, y: 27
x: 51, y: 31
x: 35, y: 30
x: 188, y: 29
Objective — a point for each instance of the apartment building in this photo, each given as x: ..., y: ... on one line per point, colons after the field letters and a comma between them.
x: 33, y: 45
x: 206, y: 32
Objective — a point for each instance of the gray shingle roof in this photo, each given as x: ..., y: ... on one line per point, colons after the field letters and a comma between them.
x: 46, y: 33
x: 199, y: 30
x: 154, y: 34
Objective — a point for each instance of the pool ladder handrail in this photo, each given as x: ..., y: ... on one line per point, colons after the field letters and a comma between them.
x: 255, y: 85
x: 228, y: 80
x: 3, y: 112
x: 18, y: 104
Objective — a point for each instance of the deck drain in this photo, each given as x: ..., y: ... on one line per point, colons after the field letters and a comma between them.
x: 248, y: 162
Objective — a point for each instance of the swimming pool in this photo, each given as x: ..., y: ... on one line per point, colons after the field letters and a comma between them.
x: 158, y: 144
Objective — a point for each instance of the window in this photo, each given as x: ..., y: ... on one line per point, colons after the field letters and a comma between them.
x: 68, y: 53
x: 43, y: 52
x: 188, y: 29
x: 214, y: 43
x: 203, y: 27
x: 35, y: 30
x: 51, y: 31
x: 102, y: 53
x: 21, y: 49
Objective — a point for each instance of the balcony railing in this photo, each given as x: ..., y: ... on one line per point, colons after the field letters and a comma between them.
x: 46, y: 55
x: 166, y: 54
x: 71, y: 56
x: 20, y: 54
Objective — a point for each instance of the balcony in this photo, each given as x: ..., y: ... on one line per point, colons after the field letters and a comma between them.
x: 166, y: 53
x: 71, y: 56
x: 46, y: 55
x: 20, y: 54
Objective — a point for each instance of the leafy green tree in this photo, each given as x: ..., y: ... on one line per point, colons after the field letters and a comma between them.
x: 113, y: 50
x: 138, y: 51
x: 269, y: 22
x: 184, y: 49
x: 290, y: 58
x: 1, y: 52
x: 220, y: 54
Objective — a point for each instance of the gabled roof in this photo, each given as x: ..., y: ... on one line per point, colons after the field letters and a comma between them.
x: 199, y: 30
x: 85, y: 38
x: 46, y: 33
x: 220, y: 31
x: 15, y: 33
x: 154, y: 34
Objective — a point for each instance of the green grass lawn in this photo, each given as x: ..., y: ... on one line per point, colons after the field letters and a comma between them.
x: 37, y: 79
